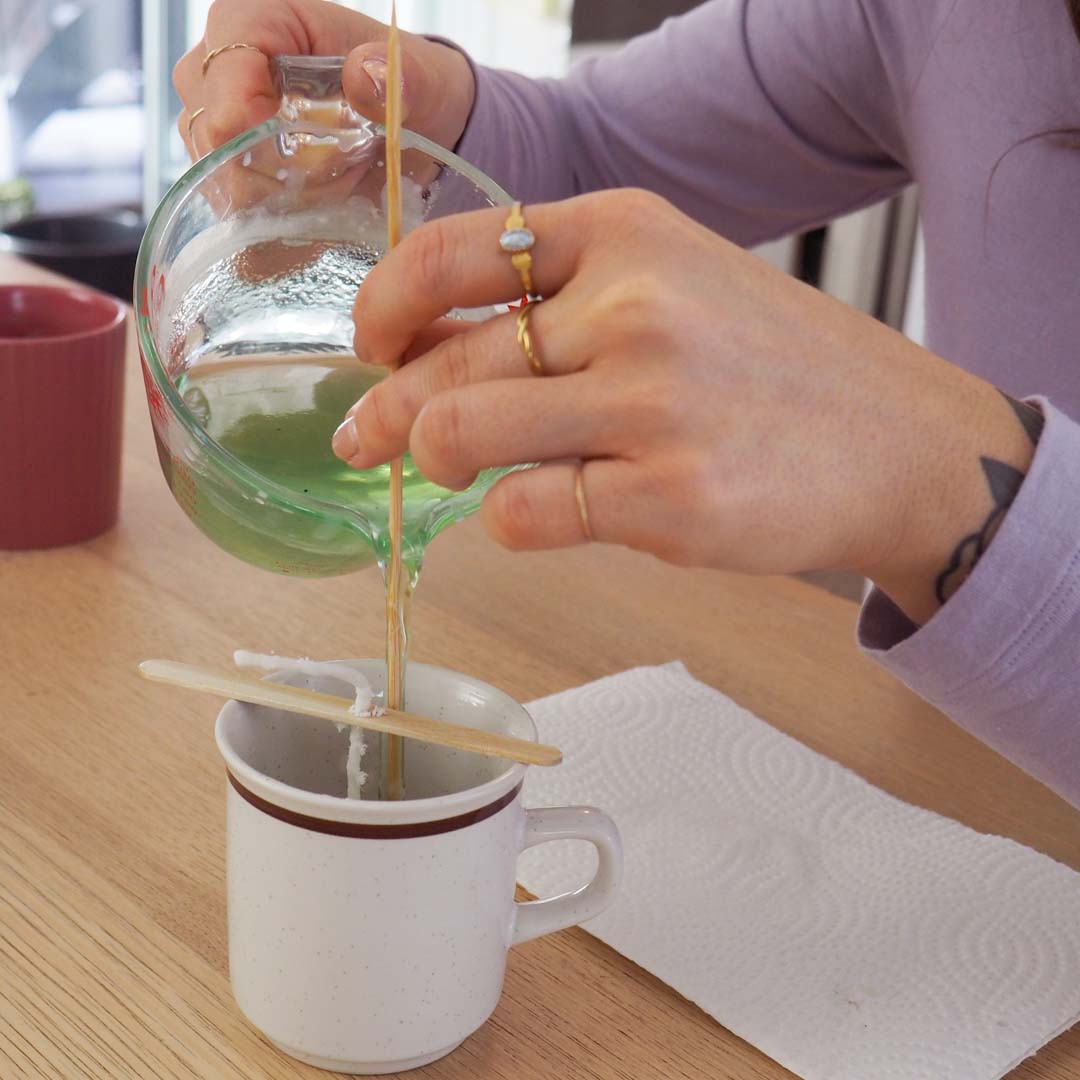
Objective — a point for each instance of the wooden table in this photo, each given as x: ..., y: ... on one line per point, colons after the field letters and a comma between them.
x: 112, y: 904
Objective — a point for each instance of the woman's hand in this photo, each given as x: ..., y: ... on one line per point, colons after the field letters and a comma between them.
x: 726, y: 415
x: 237, y: 90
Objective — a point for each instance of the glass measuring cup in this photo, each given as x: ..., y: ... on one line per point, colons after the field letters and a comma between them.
x: 243, y: 292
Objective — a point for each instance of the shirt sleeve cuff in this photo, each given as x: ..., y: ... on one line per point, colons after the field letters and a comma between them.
x: 1000, y: 657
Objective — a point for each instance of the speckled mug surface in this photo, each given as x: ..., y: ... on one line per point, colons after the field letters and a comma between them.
x: 370, y: 937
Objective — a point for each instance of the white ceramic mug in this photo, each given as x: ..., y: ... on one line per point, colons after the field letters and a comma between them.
x: 371, y: 937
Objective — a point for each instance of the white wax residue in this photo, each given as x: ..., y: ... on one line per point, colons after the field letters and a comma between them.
x: 355, y: 776
x: 362, y: 706
x: 303, y: 666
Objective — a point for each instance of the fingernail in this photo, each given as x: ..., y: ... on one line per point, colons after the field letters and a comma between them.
x: 376, y: 72
x: 345, y: 441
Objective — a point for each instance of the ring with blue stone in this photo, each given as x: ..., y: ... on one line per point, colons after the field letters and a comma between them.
x: 517, y: 241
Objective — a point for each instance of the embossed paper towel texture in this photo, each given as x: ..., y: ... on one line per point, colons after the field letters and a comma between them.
x: 846, y: 934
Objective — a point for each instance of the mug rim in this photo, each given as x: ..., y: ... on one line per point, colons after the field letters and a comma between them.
x: 328, y: 809
x: 115, y: 319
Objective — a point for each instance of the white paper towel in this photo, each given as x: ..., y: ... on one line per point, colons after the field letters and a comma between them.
x: 846, y: 934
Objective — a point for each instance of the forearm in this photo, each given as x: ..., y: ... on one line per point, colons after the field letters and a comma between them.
x: 958, y: 509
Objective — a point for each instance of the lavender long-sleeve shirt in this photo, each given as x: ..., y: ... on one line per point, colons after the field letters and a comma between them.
x: 762, y: 117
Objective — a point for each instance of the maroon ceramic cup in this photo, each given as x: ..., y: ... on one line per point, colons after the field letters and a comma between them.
x: 61, y: 408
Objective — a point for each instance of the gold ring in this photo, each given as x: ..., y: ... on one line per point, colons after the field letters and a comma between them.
x: 192, y: 118
x: 517, y: 241
x: 582, y: 505
x: 525, y: 338
x: 228, y: 48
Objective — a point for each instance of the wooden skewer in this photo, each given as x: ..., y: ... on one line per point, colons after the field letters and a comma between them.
x: 257, y: 691
x: 393, y: 764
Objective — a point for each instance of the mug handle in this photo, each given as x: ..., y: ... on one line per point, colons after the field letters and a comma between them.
x: 535, y: 918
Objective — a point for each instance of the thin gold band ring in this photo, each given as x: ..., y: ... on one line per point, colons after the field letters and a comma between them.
x: 582, y: 505
x: 192, y: 118
x: 228, y: 48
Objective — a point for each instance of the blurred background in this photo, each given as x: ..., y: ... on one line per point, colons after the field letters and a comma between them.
x: 88, y: 139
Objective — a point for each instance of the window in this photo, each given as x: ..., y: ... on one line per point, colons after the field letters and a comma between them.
x: 70, y: 101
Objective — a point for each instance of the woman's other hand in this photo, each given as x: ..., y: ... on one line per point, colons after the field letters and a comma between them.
x: 726, y: 415
x: 237, y: 90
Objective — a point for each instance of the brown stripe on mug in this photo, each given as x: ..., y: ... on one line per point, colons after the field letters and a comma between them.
x: 361, y: 831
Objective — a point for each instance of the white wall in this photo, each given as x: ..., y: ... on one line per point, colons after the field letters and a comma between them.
x: 527, y: 35
x: 915, y: 315
x: 531, y: 36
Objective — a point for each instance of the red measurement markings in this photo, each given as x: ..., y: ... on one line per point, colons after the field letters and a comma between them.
x: 305, y: 567
x: 157, y: 289
x: 183, y: 486
x: 159, y: 411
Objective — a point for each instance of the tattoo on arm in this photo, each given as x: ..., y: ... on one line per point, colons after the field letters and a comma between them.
x: 1031, y: 418
x: 1004, y: 482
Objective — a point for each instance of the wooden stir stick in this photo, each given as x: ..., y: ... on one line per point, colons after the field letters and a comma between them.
x: 393, y: 771
x: 295, y: 699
